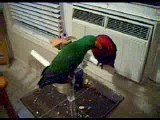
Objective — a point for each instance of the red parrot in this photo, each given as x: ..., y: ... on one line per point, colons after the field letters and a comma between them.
x: 107, y: 54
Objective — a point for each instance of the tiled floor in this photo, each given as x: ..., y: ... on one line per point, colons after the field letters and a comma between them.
x: 140, y: 100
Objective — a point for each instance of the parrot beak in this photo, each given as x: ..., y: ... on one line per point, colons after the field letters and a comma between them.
x: 98, y: 45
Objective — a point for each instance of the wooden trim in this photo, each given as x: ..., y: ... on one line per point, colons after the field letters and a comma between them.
x: 4, y: 51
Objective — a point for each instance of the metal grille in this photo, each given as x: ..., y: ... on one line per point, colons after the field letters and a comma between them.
x: 88, y: 17
x: 44, y: 17
x: 128, y: 28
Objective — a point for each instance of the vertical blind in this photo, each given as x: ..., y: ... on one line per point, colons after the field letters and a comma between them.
x: 44, y: 17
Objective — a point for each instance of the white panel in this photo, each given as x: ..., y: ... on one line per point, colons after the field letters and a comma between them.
x: 130, y: 55
x: 67, y: 13
x: 78, y: 30
x: 37, y: 22
x: 48, y: 4
x: 99, y: 4
x: 131, y: 51
x: 117, y: 39
x: 34, y: 13
x: 44, y: 17
x: 133, y: 58
x: 93, y: 6
x: 42, y: 7
x: 36, y: 25
x: 34, y: 9
x: 136, y: 10
x: 94, y: 31
x: 128, y: 9
x: 34, y: 17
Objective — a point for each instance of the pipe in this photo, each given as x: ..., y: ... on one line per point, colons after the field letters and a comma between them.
x: 38, y: 57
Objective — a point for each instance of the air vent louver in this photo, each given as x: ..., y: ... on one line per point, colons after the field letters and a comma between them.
x: 88, y: 17
x: 40, y: 16
x: 128, y: 28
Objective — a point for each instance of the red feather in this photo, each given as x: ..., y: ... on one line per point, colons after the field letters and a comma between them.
x: 106, y: 55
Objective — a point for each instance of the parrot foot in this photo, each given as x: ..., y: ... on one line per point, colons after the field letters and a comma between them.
x: 101, y: 66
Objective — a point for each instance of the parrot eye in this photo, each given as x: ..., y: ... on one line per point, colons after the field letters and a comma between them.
x: 98, y: 45
x: 102, y: 48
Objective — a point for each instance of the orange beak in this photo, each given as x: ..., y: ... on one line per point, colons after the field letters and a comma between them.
x: 98, y: 45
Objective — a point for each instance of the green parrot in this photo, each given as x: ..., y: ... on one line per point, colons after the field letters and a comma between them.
x: 67, y: 61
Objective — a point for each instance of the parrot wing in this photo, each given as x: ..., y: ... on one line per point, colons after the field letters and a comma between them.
x: 63, y: 65
x: 66, y: 61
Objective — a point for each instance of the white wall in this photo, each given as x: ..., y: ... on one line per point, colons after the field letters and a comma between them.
x: 67, y: 16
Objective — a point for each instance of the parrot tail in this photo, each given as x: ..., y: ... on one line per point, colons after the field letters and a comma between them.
x: 44, y: 82
x: 50, y: 78
x: 44, y: 70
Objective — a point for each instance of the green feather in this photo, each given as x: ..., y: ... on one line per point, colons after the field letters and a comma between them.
x: 72, y: 55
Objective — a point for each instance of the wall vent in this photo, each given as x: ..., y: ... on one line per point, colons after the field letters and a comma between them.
x: 128, y: 28
x: 88, y: 17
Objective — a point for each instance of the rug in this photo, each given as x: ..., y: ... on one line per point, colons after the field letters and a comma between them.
x: 92, y: 102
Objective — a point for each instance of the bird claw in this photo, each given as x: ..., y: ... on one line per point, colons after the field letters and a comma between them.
x: 101, y: 65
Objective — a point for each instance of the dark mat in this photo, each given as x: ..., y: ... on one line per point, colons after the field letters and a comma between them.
x: 48, y: 103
